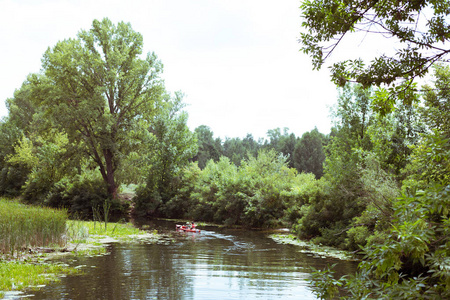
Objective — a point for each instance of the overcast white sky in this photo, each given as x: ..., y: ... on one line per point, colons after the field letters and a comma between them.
x: 237, y: 61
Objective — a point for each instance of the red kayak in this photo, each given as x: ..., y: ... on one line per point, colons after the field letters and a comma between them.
x: 187, y: 228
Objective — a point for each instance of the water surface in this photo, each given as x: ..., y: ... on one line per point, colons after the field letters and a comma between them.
x: 214, y: 264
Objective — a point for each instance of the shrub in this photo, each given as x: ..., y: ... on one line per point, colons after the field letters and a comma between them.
x: 82, y: 195
x: 12, y: 178
x: 413, y: 262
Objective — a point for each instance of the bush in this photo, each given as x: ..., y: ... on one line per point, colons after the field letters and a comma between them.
x: 83, y: 195
x: 146, y: 202
x: 36, y: 191
x: 356, y: 237
x: 413, y: 262
x: 255, y: 194
x: 12, y: 178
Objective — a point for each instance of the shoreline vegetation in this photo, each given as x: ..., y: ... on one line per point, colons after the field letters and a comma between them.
x: 33, y: 238
x: 314, y: 249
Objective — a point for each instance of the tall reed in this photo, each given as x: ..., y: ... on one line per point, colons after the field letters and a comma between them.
x: 23, y: 226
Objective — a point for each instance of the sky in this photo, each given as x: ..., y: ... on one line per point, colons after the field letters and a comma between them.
x: 238, y: 62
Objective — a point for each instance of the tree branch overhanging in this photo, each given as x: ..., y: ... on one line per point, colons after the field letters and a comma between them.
x: 332, y: 20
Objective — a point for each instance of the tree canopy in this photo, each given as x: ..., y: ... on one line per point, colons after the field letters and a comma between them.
x: 421, y: 27
x: 101, y: 92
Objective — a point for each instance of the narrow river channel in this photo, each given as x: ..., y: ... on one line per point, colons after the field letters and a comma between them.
x: 213, y: 264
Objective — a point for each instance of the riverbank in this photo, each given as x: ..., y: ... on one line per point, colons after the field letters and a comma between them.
x: 35, y: 267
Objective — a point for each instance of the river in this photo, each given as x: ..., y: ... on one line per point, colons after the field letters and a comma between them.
x: 214, y: 264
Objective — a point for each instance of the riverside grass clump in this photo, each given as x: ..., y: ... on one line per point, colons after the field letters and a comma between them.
x: 79, y: 231
x: 22, y: 227
x: 16, y: 275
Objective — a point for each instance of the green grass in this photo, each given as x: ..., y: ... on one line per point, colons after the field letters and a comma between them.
x: 18, y: 275
x: 23, y: 226
x: 82, y: 229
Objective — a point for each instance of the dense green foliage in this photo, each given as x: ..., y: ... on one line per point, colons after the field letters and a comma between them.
x: 403, y: 187
x: 412, y: 263
x: 388, y: 160
x: 170, y: 149
x: 262, y: 192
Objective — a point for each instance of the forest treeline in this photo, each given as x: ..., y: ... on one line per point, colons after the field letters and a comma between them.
x: 305, y: 153
x: 98, y: 117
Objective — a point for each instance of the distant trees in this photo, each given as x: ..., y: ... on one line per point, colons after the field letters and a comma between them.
x: 237, y: 150
x: 309, y: 154
x: 305, y: 154
x: 237, y: 181
x: 208, y: 147
x: 282, y: 142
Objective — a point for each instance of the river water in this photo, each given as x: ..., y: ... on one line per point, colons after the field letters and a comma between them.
x: 213, y: 264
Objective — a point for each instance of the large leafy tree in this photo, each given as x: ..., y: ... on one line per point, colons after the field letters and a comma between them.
x: 100, y: 90
x: 420, y: 26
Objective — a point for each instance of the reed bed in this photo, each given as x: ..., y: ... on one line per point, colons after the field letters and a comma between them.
x: 23, y: 227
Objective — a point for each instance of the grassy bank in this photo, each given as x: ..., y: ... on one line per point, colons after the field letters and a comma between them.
x: 90, y: 237
x: 31, y: 236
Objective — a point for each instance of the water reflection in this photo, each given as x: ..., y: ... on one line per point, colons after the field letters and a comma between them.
x: 228, y: 264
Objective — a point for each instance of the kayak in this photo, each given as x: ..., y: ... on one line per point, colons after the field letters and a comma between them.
x: 186, y: 228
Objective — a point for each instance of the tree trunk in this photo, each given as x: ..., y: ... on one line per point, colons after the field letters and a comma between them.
x: 112, y: 187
